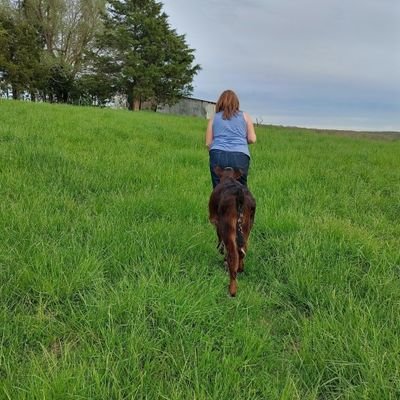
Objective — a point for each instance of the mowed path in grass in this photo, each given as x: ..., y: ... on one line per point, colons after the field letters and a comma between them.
x: 112, y: 288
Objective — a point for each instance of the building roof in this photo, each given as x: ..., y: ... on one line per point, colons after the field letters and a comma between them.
x: 194, y: 98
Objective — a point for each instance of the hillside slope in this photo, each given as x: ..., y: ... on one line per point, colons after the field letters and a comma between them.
x: 111, y: 286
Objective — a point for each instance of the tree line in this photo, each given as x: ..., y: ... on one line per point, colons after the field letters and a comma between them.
x: 88, y: 51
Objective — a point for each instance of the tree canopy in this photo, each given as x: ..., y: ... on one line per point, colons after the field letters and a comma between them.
x: 90, y: 50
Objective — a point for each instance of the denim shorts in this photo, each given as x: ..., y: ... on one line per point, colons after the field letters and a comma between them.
x: 233, y: 159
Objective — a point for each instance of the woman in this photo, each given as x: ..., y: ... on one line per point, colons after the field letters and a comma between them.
x: 228, y: 135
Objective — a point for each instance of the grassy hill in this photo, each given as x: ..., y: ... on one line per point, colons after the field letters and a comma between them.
x: 111, y: 286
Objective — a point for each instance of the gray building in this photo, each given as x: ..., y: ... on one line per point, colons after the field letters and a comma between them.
x: 190, y: 106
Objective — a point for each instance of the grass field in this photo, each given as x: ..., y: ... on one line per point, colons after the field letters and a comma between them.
x: 112, y: 288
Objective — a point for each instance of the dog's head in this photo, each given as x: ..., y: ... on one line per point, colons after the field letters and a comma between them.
x: 228, y: 173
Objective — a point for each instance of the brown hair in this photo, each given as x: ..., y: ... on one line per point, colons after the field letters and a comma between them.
x: 228, y: 102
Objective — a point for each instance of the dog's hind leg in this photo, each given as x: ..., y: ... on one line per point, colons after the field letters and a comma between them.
x: 241, y: 255
x: 233, y: 263
x: 243, y: 249
x: 220, y: 245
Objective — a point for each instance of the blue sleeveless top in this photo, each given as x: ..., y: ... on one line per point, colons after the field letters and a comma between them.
x: 230, y: 134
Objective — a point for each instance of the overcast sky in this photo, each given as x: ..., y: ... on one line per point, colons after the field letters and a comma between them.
x: 314, y: 63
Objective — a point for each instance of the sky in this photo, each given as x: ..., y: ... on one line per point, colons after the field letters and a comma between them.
x: 312, y: 63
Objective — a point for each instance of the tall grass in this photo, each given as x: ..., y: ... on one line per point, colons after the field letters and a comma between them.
x: 111, y: 286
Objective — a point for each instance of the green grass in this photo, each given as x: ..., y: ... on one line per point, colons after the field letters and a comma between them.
x: 111, y: 286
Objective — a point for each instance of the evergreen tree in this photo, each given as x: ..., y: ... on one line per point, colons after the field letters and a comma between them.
x: 142, y: 56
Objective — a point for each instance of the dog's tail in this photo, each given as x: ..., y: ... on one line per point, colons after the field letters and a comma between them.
x: 239, y: 223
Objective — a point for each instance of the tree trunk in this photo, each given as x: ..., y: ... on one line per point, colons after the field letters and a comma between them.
x: 130, y: 100
x: 134, y: 103
x: 15, y: 93
x: 65, y: 96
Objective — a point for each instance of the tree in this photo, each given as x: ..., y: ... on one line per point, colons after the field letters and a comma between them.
x: 69, y: 50
x: 67, y: 29
x: 144, y: 58
x: 44, y: 44
x: 19, y: 51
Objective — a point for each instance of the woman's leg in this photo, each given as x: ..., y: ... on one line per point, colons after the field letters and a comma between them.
x: 214, y: 161
x: 242, y: 162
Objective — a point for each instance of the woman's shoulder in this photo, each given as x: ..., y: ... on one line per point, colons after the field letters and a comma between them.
x: 247, y: 118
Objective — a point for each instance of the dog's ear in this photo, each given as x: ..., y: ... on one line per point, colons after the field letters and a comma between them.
x: 218, y: 170
x: 238, y: 173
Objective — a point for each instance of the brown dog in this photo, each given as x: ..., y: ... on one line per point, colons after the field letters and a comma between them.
x: 232, y: 209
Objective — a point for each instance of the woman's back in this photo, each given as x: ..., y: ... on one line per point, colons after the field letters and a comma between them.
x: 230, y: 134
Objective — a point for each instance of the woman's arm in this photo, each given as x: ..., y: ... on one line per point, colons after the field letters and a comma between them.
x: 209, y: 133
x: 251, y: 133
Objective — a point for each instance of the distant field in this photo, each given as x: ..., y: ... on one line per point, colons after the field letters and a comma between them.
x: 111, y: 286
